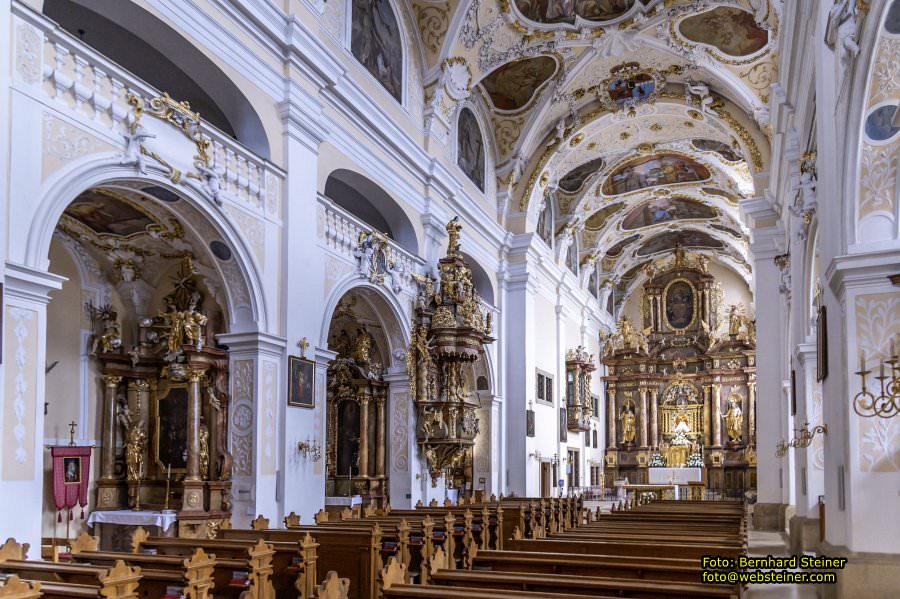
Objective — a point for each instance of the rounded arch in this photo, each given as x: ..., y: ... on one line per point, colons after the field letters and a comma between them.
x: 246, y: 303
x: 368, y: 201
x: 480, y: 277
x: 477, y: 111
x: 131, y: 36
x: 369, y: 17
x: 383, y: 304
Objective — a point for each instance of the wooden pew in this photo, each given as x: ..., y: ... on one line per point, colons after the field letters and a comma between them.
x: 15, y: 588
x: 629, y: 548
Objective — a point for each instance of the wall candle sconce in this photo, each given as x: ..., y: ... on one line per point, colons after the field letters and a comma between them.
x: 536, y: 454
x: 310, y: 450
x: 803, y: 437
x: 887, y: 403
x: 781, y: 449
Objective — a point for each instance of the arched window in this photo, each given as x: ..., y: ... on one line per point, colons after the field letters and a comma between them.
x: 470, y: 147
x: 375, y: 42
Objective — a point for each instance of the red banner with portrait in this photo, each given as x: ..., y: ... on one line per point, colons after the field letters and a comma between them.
x: 71, y: 473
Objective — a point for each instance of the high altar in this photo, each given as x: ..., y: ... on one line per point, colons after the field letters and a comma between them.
x: 167, y: 397
x: 681, y: 387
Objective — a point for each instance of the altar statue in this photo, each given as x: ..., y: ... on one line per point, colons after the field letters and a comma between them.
x: 734, y: 419
x: 627, y: 420
x: 134, y: 451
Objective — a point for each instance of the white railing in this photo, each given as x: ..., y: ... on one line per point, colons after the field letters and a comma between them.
x: 342, y: 230
x: 85, y: 85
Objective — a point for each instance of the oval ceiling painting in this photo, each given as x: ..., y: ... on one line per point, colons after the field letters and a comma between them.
x: 575, y: 178
x: 661, y: 210
x: 565, y: 11
x: 619, y: 247
x: 667, y: 242
x: 651, y: 171
x: 720, y: 148
x: 513, y: 85
x: 599, y: 219
x: 732, y: 30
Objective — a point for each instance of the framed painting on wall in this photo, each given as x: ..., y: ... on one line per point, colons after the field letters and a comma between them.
x: 563, y: 425
x: 529, y: 423
x: 171, y: 428
x: 301, y: 391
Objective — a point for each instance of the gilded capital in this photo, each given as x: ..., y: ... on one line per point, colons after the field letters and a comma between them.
x: 195, y: 376
x: 139, y: 384
x: 111, y: 380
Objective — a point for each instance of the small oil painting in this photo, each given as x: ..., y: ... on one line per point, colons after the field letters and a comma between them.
x: 470, y: 148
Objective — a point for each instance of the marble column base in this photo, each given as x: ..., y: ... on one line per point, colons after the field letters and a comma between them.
x: 869, y: 575
x: 803, y: 534
x: 769, y: 516
x: 111, y: 495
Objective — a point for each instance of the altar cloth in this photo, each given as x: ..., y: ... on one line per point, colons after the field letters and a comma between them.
x: 132, y: 518
x: 678, y: 476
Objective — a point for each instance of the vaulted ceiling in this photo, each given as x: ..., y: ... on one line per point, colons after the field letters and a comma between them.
x: 641, y: 123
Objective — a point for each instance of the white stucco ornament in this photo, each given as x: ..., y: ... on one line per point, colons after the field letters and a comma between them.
x: 457, y: 78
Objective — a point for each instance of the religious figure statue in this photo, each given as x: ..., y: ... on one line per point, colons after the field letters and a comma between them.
x: 134, y: 451
x: 734, y: 320
x: 453, y: 230
x: 111, y: 338
x: 363, y: 347
x: 343, y: 345
x: 210, y: 182
x: 734, y: 419
x: 841, y: 34
x: 627, y: 420
x: 204, y: 452
x: 132, y: 155
x: 193, y: 320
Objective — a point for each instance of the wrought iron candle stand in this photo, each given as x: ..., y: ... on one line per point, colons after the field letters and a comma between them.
x: 887, y: 403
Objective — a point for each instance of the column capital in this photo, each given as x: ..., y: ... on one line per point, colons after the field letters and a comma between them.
x: 111, y: 380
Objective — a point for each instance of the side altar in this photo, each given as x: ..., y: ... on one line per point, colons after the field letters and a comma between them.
x: 681, y: 385
x: 166, y: 399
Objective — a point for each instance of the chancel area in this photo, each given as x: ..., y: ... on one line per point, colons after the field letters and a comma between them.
x: 371, y: 299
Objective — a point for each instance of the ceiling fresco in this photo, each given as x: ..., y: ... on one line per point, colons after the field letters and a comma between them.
x: 663, y: 210
x: 566, y: 11
x: 732, y: 30
x: 107, y: 213
x: 575, y: 178
x: 687, y: 238
x: 642, y: 124
x: 653, y: 171
x: 512, y: 86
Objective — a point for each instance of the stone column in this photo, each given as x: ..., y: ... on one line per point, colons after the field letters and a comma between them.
x: 379, y: 436
x: 644, y: 416
x: 751, y: 410
x: 193, y: 425
x: 108, y: 438
x: 654, y: 415
x: 717, y: 414
x: 364, y: 435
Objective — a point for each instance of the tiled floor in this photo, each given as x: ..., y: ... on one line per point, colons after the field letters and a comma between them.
x: 773, y: 543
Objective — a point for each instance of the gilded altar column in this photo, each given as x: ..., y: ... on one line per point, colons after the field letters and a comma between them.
x: 654, y: 424
x: 379, y: 436
x: 717, y: 414
x: 644, y: 419
x: 707, y: 416
x: 611, y: 417
x: 364, y: 435
x: 193, y: 426
x: 108, y: 462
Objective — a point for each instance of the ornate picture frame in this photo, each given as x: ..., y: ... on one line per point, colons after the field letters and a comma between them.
x: 170, y: 439
x: 529, y: 423
x: 821, y: 344
x: 301, y: 382
x: 667, y: 308
x: 563, y: 425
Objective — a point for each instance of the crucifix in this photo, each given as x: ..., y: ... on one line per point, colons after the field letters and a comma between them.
x: 72, y: 426
x: 303, y: 344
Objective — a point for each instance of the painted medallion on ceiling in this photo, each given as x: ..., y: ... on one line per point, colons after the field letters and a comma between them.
x: 470, y: 148
x: 720, y: 148
x: 599, y: 219
x: 375, y: 42
x: 618, y: 248
x: 652, y: 171
x: 107, y: 214
x: 669, y: 241
x: 575, y: 178
x: 628, y: 82
x: 662, y: 210
x: 731, y: 30
x: 566, y: 11
x: 512, y: 86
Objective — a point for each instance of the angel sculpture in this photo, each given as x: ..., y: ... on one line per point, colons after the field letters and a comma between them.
x: 701, y: 90
x: 132, y: 154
